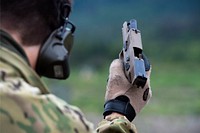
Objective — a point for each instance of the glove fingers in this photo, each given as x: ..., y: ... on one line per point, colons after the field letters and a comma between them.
x: 116, y: 68
x: 117, y: 74
x: 117, y: 82
x: 148, y: 73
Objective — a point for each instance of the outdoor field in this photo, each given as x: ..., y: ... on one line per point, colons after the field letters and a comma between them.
x: 171, y: 40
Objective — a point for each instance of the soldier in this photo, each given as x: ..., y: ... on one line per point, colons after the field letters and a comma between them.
x: 35, y: 41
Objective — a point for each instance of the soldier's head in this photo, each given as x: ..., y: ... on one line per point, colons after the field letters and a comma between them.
x: 42, y: 26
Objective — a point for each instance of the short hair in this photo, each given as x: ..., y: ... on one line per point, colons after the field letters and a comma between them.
x: 34, y: 20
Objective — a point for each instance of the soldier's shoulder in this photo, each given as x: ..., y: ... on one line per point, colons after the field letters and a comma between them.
x: 23, y: 108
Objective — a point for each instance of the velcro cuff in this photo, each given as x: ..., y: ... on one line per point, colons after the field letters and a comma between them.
x: 120, y: 106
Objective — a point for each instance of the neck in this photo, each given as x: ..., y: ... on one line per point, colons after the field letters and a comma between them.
x: 30, y: 50
x: 32, y: 54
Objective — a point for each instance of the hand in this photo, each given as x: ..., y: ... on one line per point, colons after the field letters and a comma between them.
x: 118, y: 85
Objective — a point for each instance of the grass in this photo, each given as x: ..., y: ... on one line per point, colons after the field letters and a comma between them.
x: 176, y: 89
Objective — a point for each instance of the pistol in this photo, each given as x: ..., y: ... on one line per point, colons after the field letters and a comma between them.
x: 131, y: 54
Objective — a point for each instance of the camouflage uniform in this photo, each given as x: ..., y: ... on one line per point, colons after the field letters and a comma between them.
x: 26, y: 105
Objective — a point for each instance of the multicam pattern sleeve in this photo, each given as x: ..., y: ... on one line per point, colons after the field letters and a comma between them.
x: 116, y: 125
x: 26, y: 106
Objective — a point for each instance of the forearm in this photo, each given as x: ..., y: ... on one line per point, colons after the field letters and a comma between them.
x: 116, y: 123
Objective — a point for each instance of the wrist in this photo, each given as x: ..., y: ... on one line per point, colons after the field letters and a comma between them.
x: 113, y: 115
x: 119, y: 106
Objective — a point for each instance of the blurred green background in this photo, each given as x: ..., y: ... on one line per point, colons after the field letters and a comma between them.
x: 171, y: 40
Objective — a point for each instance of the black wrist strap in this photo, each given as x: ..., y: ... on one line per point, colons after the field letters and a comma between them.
x: 120, y: 105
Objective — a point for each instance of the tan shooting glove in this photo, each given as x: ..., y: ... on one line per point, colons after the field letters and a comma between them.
x: 121, y: 96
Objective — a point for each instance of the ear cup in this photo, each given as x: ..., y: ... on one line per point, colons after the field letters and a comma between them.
x: 53, y: 58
